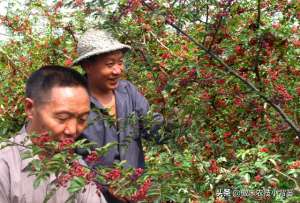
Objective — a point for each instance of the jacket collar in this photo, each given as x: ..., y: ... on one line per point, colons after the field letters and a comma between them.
x: 120, y: 93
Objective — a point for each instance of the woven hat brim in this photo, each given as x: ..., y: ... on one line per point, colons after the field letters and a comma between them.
x: 100, y: 51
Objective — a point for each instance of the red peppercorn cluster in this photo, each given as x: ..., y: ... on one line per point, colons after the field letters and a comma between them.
x: 63, y: 179
x: 205, y: 96
x: 284, y: 93
x: 113, y: 175
x: 137, y: 173
x: 166, y: 56
x: 295, y: 165
x: 258, y: 178
x: 213, y: 167
x: 90, y: 176
x: 41, y: 140
x: 79, y: 2
x: 77, y: 170
x: 92, y: 157
x: 142, y: 192
x: 276, y: 139
x: 191, y: 76
x: 65, y: 143
x: 264, y: 150
x: 227, y: 134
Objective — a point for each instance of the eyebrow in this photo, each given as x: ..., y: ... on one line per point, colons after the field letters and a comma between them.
x: 117, y: 57
x: 71, y: 114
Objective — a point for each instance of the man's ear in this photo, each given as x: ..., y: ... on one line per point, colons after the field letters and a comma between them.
x: 29, y: 108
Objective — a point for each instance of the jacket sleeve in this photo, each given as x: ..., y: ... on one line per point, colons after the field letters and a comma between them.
x: 149, y: 124
x: 4, y: 182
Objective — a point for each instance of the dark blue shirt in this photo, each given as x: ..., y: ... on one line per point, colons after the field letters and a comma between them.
x: 131, y: 109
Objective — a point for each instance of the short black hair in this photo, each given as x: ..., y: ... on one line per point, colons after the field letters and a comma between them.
x: 92, y: 59
x: 41, y: 82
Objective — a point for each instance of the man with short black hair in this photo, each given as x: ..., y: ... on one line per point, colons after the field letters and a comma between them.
x: 57, y: 103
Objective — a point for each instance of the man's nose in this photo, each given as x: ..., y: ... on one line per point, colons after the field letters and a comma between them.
x: 117, y: 70
x: 71, y: 128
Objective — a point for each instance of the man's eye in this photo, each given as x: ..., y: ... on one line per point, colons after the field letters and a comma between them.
x: 62, y: 118
x: 83, y: 119
x: 110, y: 64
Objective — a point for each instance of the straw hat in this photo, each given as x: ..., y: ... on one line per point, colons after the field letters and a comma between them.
x: 94, y: 42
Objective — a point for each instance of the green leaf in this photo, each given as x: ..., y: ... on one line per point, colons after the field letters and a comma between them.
x: 76, y: 185
x: 218, y: 178
x: 247, y: 177
x: 101, y: 179
x: 221, y: 159
x: 36, y: 163
x: 103, y: 150
x: 273, y: 162
x: 26, y: 154
x: 38, y: 181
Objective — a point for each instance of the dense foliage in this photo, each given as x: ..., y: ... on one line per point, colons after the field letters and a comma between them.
x: 226, y: 73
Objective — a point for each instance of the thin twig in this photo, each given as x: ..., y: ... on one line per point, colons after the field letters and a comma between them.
x: 167, y: 148
x: 71, y: 32
x: 164, y: 46
x: 218, y: 27
x: 215, y: 34
x: 11, y: 143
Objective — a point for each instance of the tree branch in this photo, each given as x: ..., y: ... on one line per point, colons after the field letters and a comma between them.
x: 234, y: 73
x: 218, y: 26
x: 68, y: 28
x: 256, y: 70
x: 206, y: 22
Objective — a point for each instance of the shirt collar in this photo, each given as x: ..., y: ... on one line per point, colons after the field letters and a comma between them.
x: 23, y: 138
x: 95, y: 102
x: 119, y: 91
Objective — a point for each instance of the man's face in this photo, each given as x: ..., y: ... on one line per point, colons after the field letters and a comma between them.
x: 106, y: 71
x: 63, y: 115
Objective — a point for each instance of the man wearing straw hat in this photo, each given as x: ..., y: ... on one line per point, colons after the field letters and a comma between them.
x: 102, y: 58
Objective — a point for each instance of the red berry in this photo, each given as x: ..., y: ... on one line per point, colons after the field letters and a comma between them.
x: 68, y: 62
x: 92, y: 157
x: 258, y: 178
x: 113, y: 175
x: 276, y: 26
x: 264, y: 150
x: 239, y: 50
